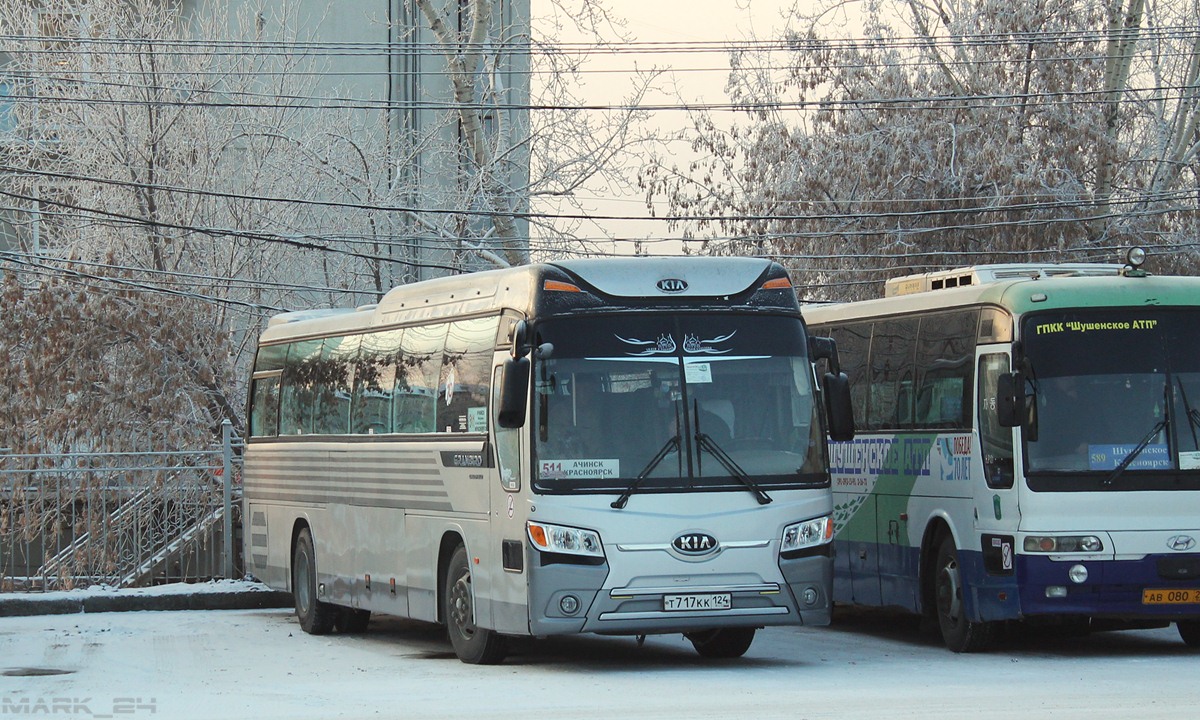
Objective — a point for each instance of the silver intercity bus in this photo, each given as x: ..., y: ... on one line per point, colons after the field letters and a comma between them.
x: 627, y: 446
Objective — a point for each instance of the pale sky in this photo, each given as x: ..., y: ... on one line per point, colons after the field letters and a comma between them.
x: 699, y: 77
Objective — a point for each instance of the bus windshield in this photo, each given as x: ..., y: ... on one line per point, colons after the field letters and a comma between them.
x: 1115, y: 391
x: 695, y: 401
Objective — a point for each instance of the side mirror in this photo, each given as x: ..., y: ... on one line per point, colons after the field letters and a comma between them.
x: 514, y: 393
x: 1010, y: 399
x: 838, y: 408
x: 520, y: 339
x: 823, y: 348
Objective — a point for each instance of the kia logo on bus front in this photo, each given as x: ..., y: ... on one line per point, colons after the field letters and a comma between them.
x: 694, y: 543
x: 672, y: 285
x: 1181, y: 542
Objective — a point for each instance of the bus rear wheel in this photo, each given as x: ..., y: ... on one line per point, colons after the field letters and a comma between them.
x: 316, y: 617
x: 1189, y: 630
x: 724, y: 643
x: 960, y: 634
x: 472, y: 644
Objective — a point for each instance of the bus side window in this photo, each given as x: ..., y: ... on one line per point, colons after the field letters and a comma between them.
x: 508, y: 443
x: 890, y: 403
x: 264, y: 392
x: 996, y: 442
x: 853, y: 342
x: 462, y: 399
x: 417, y: 379
x: 945, y: 352
x: 374, y: 380
x: 298, y: 394
x: 331, y: 413
x: 264, y: 410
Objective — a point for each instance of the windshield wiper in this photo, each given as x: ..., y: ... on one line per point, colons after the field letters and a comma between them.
x: 1137, y: 450
x: 707, y: 443
x: 672, y: 444
x: 1193, y: 415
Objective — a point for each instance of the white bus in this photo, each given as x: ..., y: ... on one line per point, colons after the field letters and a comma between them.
x: 626, y: 446
x: 1026, y: 448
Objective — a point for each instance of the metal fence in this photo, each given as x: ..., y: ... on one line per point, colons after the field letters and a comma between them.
x: 123, y: 519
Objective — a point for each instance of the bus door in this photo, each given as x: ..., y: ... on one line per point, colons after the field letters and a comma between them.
x: 509, y: 489
x: 994, y: 469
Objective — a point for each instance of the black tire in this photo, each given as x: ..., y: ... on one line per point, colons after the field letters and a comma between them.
x: 472, y: 644
x: 1189, y: 630
x: 316, y: 617
x: 959, y: 633
x: 724, y: 643
x: 352, y: 620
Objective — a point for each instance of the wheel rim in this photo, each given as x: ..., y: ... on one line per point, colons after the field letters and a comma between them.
x: 303, y: 583
x: 460, y: 606
x: 949, y: 594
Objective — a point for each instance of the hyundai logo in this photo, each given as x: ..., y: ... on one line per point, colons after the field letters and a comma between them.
x: 1181, y: 542
x: 672, y: 285
x: 695, y: 543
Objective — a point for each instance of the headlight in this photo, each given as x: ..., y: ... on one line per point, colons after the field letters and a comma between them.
x: 1063, y: 544
x: 567, y: 540
x: 807, y: 534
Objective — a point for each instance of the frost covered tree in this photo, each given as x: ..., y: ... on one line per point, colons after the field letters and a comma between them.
x: 183, y: 169
x: 949, y: 133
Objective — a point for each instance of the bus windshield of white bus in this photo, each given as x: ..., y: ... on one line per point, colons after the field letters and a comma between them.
x: 674, y: 402
x: 1116, y: 392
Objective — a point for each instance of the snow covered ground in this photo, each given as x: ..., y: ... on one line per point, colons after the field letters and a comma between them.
x: 259, y: 664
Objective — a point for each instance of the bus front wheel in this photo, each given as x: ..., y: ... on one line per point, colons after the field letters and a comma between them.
x: 723, y: 643
x: 958, y: 632
x: 316, y: 617
x: 472, y: 644
x: 1189, y: 630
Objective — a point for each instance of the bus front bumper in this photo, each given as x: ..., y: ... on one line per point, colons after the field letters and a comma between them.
x: 656, y: 605
x: 1165, y: 587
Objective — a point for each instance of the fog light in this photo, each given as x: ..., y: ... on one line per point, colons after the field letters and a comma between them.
x: 569, y: 604
x: 810, y: 596
x: 1077, y: 573
x: 1056, y: 591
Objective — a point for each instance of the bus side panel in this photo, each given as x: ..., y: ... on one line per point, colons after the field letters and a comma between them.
x: 888, y: 488
x: 379, y: 536
x: 421, y: 547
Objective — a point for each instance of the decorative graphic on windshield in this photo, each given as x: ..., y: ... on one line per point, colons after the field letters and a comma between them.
x: 665, y: 345
x: 694, y: 345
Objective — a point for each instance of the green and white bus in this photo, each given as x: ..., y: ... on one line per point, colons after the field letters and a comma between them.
x: 627, y: 446
x: 1027, y: 447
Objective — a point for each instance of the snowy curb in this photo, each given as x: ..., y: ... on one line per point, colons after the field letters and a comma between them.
x: 217, y: 595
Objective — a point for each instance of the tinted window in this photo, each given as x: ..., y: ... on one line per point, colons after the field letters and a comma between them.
x: 466, y: 367
x: 417, y: 379
x: 333, y: 385
x: 891, y: 391
x: 945, y: 360
x: 374, y: 381
x: 301, y: 385
x: 853, y: 342
x: 264, y: 410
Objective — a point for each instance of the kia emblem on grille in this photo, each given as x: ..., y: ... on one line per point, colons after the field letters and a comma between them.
x: 672, y: 285
x: 1181, y: 542
x: 695, y: 543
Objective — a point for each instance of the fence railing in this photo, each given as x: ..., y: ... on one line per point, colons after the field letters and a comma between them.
x: 78, y: 519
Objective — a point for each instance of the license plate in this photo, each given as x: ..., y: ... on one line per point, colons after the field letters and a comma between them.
x: 711, y: 601
x: 1171, y: 597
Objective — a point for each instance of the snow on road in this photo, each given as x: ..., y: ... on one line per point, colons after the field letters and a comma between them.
x: 259, y: 664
